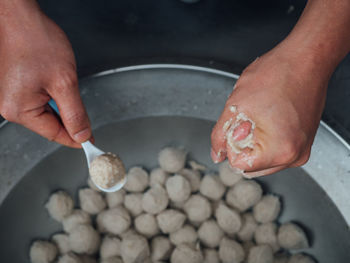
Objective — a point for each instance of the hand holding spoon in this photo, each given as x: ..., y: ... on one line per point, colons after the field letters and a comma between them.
x: 106, y: 170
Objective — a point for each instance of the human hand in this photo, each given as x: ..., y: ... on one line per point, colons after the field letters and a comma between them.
x: 37, y: 64
x: 284, y: 96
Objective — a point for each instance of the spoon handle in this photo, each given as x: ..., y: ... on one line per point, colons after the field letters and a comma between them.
x: 53, y: 105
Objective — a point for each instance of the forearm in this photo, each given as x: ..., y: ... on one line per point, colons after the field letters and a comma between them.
x: 321, y: 38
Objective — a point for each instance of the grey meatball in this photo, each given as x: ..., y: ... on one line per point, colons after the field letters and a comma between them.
x: 197, y: 208
x: 60, y: 205
x: 170, y: 220
x: 115, y: 221
x: 267, y: 234
x: 244, y: 194
x: 228, y: 175
x: 161, y: 248
x: 91, y: 201
x: 110, y: 247
x: 228, y: 219
x: 133, y: 203
x: 193, y: 177
x: 260, y: 254
x: 84, y: 239
x: 186, y: 253
x: 210, y: 234
x: 178, y: 188
x: 155, y: 200
x: 248, y: 228
x: 77, y: 217
x: 186, y: 234
x: 146, y: 225
x: 137, y: 180
x: 267, y: 209
x: 42, y: 252
x: 230, y: 251
x: 115, y: 199
x: 211, y: 256
x: 134, y: 249
x: 212, y: 187
x: 172, y: 159
x: 291, y: 236
x: 158, y: 176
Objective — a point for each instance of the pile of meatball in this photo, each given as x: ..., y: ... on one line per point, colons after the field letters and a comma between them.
x: 177, y: 213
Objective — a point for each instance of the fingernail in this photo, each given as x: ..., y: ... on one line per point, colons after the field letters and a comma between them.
x: 82, y: 136
x: 214, y: 156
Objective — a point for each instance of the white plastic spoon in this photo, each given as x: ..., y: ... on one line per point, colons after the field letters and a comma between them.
x: 91, y: 153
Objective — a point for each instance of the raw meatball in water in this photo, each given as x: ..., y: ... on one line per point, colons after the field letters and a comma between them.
x: 172, y: 160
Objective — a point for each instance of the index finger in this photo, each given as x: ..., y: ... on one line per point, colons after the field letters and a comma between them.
x: 45, y: 123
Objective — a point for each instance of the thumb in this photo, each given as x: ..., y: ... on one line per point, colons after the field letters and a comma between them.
x: 72, y: 111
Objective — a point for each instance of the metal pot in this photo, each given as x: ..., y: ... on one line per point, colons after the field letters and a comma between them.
x: 135, y: 111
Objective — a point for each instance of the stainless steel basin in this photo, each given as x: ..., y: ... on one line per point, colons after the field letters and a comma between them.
x: 135, y: 111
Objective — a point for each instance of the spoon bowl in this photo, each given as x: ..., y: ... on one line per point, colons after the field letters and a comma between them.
x: 92, y: 152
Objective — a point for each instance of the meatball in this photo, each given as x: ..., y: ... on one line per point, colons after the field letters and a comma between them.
x: 267, y: 234
x: 158, y: 176
x: 155, y: 200
x: 197, y: 208
x: 91, y: 201
x: 228, y: 175
x: 110, y: 247
x: 60, y: 205
x: 170, y: 220
x: 107, y: 170
x: 172, y: 160
x: 230, y: 251
x: 42, y: 252
x: 161, y: 248
x: 115, y: 199
x: 137, y: 180
x: 186, y: 234
x: 133, y: 203
x: 291, y: 236
x: 210, y: 234
x: 193, y: 177
x: 114, y: 221
x: 211, y: 187
x: 228, y: 219
x: 244, y: 194
x: 178, y: 188
x: 186, y: 253
x: 248, y: 228
x: 267, y: 209
x: 146, y: 225
x: 77, y: 217
x: 84, y: 239
x: 134, y: 249
x: 260, y: 254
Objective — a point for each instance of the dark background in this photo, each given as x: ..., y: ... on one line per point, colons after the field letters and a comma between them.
x: 222, y: 34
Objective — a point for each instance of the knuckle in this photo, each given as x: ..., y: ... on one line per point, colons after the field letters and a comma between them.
x: 303, y: 159
x: 289, y: 153
x: 65, y: 80
x: 9, y: 112
x: 53, y: 137
x: 76, y: 119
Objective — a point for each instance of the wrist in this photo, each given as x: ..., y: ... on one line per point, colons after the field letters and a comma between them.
x: 320, y: 39
x: 18, y: 14
x: 317, y: 60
